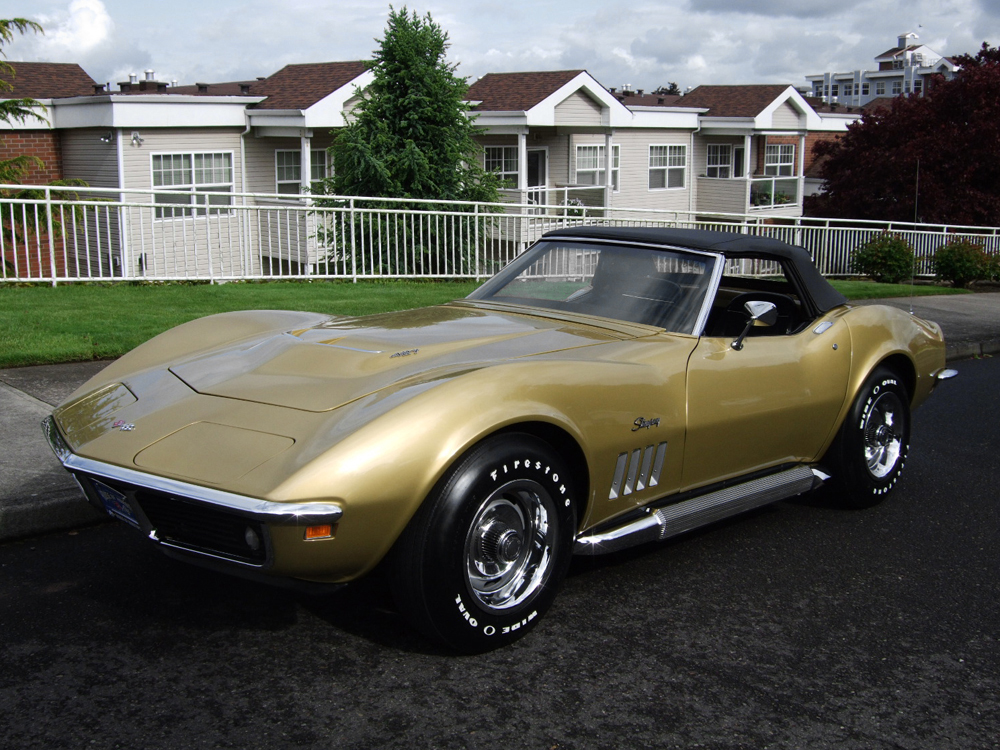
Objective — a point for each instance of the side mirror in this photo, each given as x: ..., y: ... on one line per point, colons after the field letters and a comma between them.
x: 761, y: 314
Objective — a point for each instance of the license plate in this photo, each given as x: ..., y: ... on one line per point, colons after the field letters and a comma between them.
x: 115, y: 503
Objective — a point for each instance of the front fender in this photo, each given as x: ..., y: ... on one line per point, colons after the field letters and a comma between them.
x: 384, y: 469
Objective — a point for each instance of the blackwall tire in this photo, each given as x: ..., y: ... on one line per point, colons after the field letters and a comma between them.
x: 481, y: 561
x: 870, y: 451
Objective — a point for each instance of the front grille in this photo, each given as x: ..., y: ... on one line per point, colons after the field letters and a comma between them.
x: 200, y: 528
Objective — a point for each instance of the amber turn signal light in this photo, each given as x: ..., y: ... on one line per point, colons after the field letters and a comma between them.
x: 324, y: 531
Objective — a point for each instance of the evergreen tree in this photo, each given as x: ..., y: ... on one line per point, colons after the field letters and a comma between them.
x: 410, y: 134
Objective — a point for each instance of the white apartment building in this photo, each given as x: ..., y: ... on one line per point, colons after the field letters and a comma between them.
x: 904, y: 69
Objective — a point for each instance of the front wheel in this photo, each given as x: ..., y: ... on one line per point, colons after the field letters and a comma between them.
x: 482, y: 559
x: 869, y: 453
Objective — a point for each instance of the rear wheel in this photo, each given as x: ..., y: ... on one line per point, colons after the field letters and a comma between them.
x: 481, y: 561
x: 869, y: 453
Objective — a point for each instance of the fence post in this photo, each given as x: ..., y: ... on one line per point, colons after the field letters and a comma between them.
x: 475, y: 219
x: 354, y: 260
x: 208, y: 240
x: 52, y: 244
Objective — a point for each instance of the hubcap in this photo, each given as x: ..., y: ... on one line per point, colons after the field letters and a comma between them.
x: 883, y: 434
x: 508, y: 549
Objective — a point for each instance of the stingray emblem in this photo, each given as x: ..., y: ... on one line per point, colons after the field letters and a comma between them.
x: 644, y: 424
x: 123, y: 426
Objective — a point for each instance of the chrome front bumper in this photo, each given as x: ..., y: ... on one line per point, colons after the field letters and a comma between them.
x: 133, y: 482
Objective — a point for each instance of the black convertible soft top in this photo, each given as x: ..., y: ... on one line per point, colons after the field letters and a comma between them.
x: 729, y: 244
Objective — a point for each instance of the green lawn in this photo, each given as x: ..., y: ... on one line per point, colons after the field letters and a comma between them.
x: 77, y: 322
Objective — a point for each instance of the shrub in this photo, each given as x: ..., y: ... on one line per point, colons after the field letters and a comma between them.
x: 961, y: 261
x: 887, y: 258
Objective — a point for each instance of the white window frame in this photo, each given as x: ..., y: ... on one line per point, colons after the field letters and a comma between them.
x: 866, y: 89
x: 897, y: 88
x: 779, y: 160
x: 880, y: 88
x: 594, y: 175
x: 199, y: 178
x: 667, y: 164
x: 288, y: 176
x: 835, y: 90
x: 502, y: 161
x: 719, y: 166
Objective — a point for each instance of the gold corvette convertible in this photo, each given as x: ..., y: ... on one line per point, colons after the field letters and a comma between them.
x: 609, y: 387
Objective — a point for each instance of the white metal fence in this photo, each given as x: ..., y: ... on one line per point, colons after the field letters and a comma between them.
x: 67, y: 234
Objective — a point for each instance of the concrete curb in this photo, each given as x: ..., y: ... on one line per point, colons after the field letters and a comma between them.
x: 971, y: 349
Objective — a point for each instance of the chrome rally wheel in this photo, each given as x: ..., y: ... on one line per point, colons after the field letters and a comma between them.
x: 883, y: 435
x: 508, y: 550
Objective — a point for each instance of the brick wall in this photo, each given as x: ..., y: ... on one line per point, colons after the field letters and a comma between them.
x: 41, y: 143
x: 26, y: 251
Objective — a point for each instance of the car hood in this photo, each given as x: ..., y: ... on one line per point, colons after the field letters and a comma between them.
x: 343, y: 359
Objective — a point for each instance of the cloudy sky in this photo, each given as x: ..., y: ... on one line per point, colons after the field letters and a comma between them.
x: 645, y: 43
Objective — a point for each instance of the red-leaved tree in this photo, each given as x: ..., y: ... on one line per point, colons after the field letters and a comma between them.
x: 953, y: 132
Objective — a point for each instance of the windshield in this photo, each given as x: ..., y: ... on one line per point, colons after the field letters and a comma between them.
x: 664, y: 288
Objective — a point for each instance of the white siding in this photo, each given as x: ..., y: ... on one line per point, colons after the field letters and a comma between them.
x: 634, y: 165
x: 722, y: 196
x: 179, y: 246
x: 785, y: 116
x: 87, y: 157
x: 578, y: 109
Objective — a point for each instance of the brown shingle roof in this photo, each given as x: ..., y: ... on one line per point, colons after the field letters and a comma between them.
x: 517, y: 92
x: 44, y: 80
x: 733, y: 101
x: 301, y: 86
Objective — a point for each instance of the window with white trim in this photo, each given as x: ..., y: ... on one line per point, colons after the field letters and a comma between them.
x: 503, y: 161
x: 186, y: 175
x: 918, y: 86
x: 880, y: 88
x: 897, y: 88
x: 288, y: 170
x: 779, y: 160
x: 590, y: 165
x: 667, y: 165
x: 835, y: 90
x: 866, y: 89
x: 739, y: 160
x: 719, y: 160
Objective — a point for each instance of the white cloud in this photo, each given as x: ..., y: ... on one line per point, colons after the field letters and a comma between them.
x: 86, y: 27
